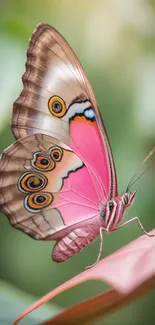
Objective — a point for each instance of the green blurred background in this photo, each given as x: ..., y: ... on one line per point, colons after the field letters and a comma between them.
x: 115, y: 42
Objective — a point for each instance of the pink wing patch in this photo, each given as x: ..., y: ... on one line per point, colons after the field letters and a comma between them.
x: 86, y: 141
x: 77, y: 200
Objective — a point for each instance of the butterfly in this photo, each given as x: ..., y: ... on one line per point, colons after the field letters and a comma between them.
x: 58, y: 180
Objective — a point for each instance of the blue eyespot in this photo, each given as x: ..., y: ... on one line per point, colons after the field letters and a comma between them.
x: 89, y: 113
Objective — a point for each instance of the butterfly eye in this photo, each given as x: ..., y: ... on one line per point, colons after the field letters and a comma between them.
x: 111, y: 205
x: 57, y: 106
x: 42, y: 162
x: 56, y: 153
x: 35, y: 202
x: 32, y: 182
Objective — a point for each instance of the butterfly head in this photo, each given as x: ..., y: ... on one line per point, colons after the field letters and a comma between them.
x: 112, y: 213
x: 128, y: 199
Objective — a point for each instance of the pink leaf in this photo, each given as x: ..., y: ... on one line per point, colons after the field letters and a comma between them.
x: 126, y: 270
x: 101, y: 305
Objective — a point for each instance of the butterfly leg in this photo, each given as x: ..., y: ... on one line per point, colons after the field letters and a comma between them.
x: 100, y: 250
x: 140, y: 224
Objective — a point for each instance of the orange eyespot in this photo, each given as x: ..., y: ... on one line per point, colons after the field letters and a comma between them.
x: 32, y: 182
x: 38, y: 201
x: 56, y: 153
x: 57, y: 106
x: 42, y: 162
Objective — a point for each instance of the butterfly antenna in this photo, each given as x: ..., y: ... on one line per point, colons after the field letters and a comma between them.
x: 133, y: 180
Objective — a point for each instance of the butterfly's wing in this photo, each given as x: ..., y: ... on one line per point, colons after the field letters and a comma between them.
x: 57, y: 100
x: 41, y: 188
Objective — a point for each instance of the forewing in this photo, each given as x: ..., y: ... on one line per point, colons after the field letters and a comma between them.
x: 53, y: 72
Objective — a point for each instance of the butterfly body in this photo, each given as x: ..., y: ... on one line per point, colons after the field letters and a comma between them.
x: 77, y: 238
x: 85, y: 232
x: 58, y: 180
